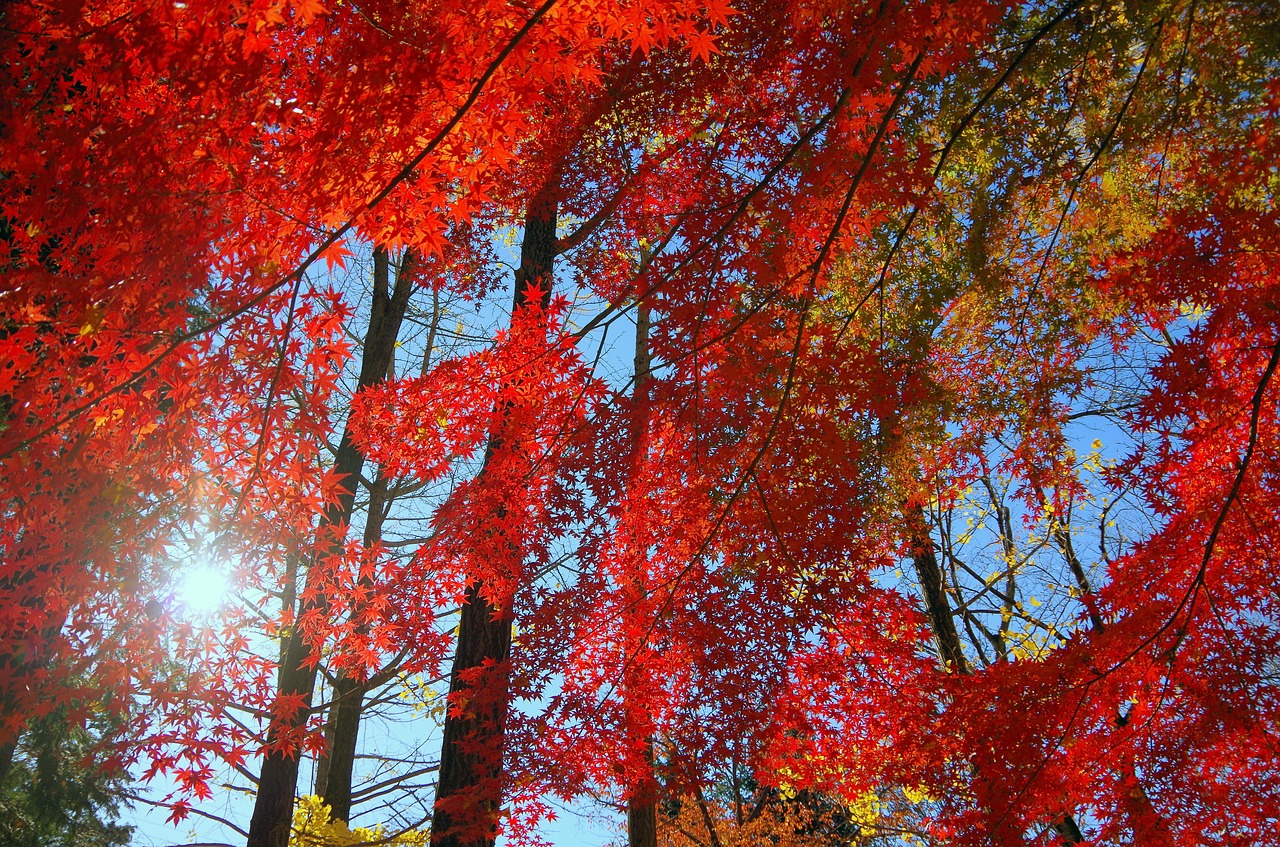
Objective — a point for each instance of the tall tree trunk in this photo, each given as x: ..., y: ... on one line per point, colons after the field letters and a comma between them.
x: 469, y: 789
x: 642, y: 804
x: 336, y: 767
x: 278, y: 782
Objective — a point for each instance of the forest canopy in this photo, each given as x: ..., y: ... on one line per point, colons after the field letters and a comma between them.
x: 788, y: 422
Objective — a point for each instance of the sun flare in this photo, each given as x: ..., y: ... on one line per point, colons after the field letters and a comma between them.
x: 203, y: 589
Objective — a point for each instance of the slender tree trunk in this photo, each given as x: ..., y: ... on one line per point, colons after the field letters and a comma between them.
x: 469, y: 789
x: 642, y: 805
x: 342, y: 730
x: 936, y: 603
x: 278, y: 782
x: 336, y: 767
x: 1069, y: 830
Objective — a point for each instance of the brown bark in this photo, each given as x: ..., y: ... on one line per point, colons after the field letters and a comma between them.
x: 936, y: 603
x: 642, y: 823
x: 278, y: 782
x: 469, y: 789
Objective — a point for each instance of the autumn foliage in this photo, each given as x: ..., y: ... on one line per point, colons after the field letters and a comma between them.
x: 933, y: 504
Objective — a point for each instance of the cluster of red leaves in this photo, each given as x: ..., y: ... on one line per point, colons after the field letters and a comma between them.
x: 167, y: 369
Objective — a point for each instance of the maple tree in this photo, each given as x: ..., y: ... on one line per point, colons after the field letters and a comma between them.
x: 879, y: 257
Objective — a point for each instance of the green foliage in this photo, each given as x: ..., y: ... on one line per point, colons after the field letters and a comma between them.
x: 55, y: 795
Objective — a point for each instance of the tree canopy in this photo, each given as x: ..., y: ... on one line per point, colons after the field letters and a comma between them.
x: 804, y: 421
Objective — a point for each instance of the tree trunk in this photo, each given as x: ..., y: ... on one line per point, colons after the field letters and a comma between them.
x: 335, y: 771
x: 278, y: 782
x: 336, y: 767
x: 469, y: 789
x: 936, y: 603
x: 642, y: 805
x: 642, y: 809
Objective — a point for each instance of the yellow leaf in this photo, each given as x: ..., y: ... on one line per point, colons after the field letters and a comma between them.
x: 92, y: 320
